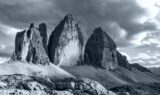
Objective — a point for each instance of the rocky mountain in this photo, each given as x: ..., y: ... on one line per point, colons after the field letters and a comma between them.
x: 43, y: 33
x: 122, y: 61
x: 100, y: 51
x: 66, y: 43
x: 39, y: 67
x: 139, y: 67
x: 155, y: 70
x: 29, y: 46
x: 105, y: 64
x: 27, y: 73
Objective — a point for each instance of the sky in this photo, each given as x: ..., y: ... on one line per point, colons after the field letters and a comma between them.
x: 133, y: 24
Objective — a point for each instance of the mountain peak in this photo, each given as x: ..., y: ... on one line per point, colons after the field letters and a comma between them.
x: 29, y: 47
x: 99, y: 29
x: 100, y: 50
x: 66, y: 43
x: 31, y: 25
x: 43, y: 32
x: 69, y: 17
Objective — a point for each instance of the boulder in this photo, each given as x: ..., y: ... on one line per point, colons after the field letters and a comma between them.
x: 29, y: 85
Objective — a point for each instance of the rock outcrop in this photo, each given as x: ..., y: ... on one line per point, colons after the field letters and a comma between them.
x: 29, y: 47
x: 122, y: 61
x: 100, y: 51
x: 66, y: 43
x: 25, y: 85
x: 43, y: 33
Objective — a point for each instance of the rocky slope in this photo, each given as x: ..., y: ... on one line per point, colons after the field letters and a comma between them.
x: 66, y: 43
x: 139, y: 67
x: 122, y: 61
x: 29, y: 46
x: 155, y: 70
x: 100, y: 51
x: 25, y: 85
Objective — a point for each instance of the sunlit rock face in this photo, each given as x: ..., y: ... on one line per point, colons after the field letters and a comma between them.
x: 100, y: 51
x: 29, y: 47
x: 65, y: 43
x: 122, y: 61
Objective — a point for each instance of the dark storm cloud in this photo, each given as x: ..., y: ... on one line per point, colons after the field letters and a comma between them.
x: 103, y: 12
x: 20, y: 13
x: 5, y: 54
x: 90, y: 13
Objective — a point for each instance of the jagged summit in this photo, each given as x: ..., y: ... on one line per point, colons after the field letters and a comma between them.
x: 31, y: 25
x: 100, y: 50
x: 43, y: 33
x: 66, y: 43
x: 29, y: 47
x: 122, y: 61
x: 104, y: 38
x: 69, y: 18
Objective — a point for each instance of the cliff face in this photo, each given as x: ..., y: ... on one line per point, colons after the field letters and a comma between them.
x: 100, y: 50
x: 122, y: 61
x: 43, y: 33
x: 29, y: 47
x: 66, y: 43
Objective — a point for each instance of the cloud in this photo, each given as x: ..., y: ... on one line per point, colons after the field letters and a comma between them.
x: 137, y: 39
x: 147, y: 59
x: 124, y: 15
x: 2, y: 47
x: 144, y: 56
x: 3, y: 59
x: 152, y: 39
x: 6, y: 51
x: 128, y: 56
x: 149, y: 38
x: 10, y: 31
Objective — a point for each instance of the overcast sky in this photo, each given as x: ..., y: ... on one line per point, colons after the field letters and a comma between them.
x: 133, y: 24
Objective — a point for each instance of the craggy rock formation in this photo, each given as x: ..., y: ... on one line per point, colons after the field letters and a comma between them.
x: 43, y: 33
x: 29, y: 47
x: 122, y: 61
x: 100, y: 51
x: 66, y: 43
x: 23, y: 85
